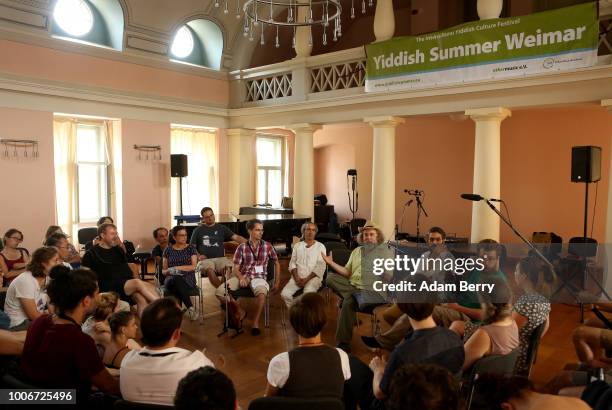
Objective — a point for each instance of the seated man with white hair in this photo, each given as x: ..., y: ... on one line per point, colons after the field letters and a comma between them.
x: 306, y: 265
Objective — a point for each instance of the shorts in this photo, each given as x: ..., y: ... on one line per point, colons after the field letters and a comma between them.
x: 257, y: 285
x: 216, y: 264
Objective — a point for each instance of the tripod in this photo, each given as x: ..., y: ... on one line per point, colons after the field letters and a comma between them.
x: 420, y: 209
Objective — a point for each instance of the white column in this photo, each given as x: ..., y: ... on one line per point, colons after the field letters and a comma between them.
x: 608, y: 105
x: 242, y: 163
x: 489, y: 9
x: 384, y: 20
x: 303, y: 43
x: 383, y: 172
x: 303, y: 171
x: 487, y: 170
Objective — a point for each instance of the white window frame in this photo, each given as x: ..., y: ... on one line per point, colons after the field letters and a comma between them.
x: 281, y: 168
x: 105, y: 165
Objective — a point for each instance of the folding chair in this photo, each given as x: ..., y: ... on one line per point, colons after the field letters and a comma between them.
x: 248, y: 293
x: 534, y: 344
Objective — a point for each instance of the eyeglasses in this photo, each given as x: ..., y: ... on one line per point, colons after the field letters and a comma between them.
x: 16, y: 238
x: 181, y: 234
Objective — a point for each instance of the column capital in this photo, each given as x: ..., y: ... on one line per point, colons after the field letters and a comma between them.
x: 240, y: 132
x: 384, y: 121
x: 489, y: 113
x: 607, y: 104
x: 304, y: 127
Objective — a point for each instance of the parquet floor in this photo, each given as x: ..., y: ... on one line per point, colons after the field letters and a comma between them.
x: 245, y: 358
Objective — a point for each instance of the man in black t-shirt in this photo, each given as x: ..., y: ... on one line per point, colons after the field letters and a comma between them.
x: 108, y: 260
x: 427, y: 343
x: 162, y: 238
x: 208, y: 238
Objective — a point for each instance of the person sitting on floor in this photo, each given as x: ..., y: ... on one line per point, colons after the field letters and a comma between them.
x: 498, y: 332
x: 348, y: 281
x: 426, y: 343
x: 251, y: 269
x: 208, y: 238
x: 124, y: 329
x: 306, y: 265
x: 70, y: 255
x: 206, y: 388
x: 109, y: 261
x: 13, y: 259
x: 517, y: 393
x: 179, y: 263
x: 152, y: 374
x: 56, y: 353
x: 313, y: 369
x: 97, y: 325
x: 592, y: 340
x: 26, y: 298
x: 60, y: 241
x: 423, y: 386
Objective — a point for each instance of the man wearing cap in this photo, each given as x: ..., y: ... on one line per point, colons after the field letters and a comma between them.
x: 348, y: 280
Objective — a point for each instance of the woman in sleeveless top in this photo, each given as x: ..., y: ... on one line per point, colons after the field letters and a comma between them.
x: 13, y: 260
x: 179, y: 263
x: 498, y: 334
x: 313, y: 369
x: 123, y: 331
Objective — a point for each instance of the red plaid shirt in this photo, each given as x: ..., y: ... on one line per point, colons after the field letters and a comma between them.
x: 247, y: 257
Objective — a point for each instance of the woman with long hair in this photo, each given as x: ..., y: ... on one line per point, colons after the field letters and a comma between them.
x: 26, y: 298
x: 498, y: 334
x: 13, y: 259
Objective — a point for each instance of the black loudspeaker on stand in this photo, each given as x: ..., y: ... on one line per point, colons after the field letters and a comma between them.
x: 178, y: 169
x: 586, y: 168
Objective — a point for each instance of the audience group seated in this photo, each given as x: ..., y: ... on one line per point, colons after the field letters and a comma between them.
x: 90, y: 323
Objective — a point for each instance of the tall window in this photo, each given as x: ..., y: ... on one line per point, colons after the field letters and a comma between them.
x: 200, y: 185
x: 91, y: 173
x: 270, y: 169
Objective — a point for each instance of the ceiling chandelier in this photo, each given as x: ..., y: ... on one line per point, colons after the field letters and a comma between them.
x: 284, y: 13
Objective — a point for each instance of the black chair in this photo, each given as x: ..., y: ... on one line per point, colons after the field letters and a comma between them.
x: 326, y: 237
x: 534, y: 344
x: 248, y: 293
x: 331, y: 246
x: 341, y: 255
x: 130, y: 405
x: 142, y: 257
x: 86, y: 235
x: 493, y: 364
x: 284, y: 403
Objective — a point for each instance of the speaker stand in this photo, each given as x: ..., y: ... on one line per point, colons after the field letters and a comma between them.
x: 181, y: 196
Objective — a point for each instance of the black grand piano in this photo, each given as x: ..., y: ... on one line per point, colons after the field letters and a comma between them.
x: 277, y: 227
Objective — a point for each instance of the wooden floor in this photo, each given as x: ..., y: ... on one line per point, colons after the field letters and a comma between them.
x: 245, y: 358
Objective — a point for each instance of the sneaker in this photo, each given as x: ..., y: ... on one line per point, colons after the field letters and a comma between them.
x: 192, y: 314
x: 371, y: 342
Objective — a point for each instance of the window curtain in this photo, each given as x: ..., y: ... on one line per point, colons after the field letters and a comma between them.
x: 200, y: 186
x: 64, y: 156
x: 108, y: 141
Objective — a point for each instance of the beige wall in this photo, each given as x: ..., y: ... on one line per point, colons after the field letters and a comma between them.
x: 45, y: 63
x: 337, y: 149
x: 436, y: 154
x: 27, y: 201
x: 146, y: 183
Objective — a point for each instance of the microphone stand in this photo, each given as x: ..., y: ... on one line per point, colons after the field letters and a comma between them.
x: 420, y: 209
x: 399, y: 224
x: 533, y: 248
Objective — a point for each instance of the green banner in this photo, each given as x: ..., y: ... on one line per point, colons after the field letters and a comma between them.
x: 560, y: 39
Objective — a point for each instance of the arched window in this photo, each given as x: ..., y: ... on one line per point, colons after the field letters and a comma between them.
x: 98, y: 22
x: 198, y: 42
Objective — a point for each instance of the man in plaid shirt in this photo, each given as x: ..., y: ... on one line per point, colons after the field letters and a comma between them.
x: 251, y: 269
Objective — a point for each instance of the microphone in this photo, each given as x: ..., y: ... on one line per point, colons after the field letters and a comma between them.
x: 413, y: 191
x: 476, y: 198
